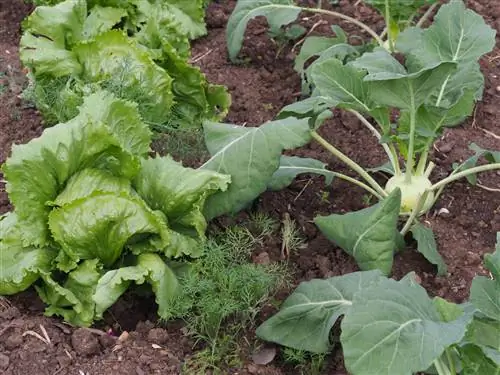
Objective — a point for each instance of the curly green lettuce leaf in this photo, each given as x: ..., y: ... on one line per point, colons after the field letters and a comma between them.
x: 101, y: 225
x: 107, y: 134
x: 179, y: 192
x: 149, y: 268
x: 101, y: 19
x: 73, y: 299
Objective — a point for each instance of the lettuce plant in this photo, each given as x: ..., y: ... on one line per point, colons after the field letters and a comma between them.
x: 416, y: 334
x: 93, y: 213
x: 137, y: 49
x: 405, y: 105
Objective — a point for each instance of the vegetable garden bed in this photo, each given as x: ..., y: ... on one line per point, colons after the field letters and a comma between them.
x: 465, y: 219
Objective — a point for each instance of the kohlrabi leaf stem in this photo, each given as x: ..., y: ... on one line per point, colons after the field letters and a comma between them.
x: 390, y: 153
x: 358, y: 183
x: 411, y: 146
x: 450, y: 361
x: 390, y: 35
x: 426, y: 14
x: 429, y: 169
x: 452, y: 177
x: 354, y: 21
x: 415, y: 212
x: 441, y: 367
x: 353, y: 165
x: 422, y: 163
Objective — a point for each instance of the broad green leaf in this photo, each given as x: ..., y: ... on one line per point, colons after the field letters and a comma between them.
x: 73, y: 299
x: 179, y: 192
x: 291, y: 166
x: 490, y: 156
x: 188, y: 14
x: 250, y: 156
x: 277, y: 12
x: 316, y: 108
x: 315, y: 45
x: 485, y: 296
x: 307, y: 316
x: 394, y: 328
x: 484, y: 333
x: 475, y: 362
x: 107, y: 134
x: 342, y: 84
x: 491, y: 261
x: 100, y: 20
x: 385, y: 168
x: 427, y: 246
x: 149, y: 268
x: 448, y: 311
x: 391, y: 85
x: 457, y: 35
x: 368, y: 235
x: 100, y: 226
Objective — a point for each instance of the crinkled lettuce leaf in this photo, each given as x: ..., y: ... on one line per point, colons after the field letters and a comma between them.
x: 180, y: 193
x: 101, y: 225
x: 144, y: 59
x: 107, y: 134
x: 19, y: 266
x: 149, y: 268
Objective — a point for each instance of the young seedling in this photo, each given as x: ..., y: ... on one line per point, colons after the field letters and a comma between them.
x: 405, y: 105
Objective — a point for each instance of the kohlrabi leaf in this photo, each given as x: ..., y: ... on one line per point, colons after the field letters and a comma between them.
x: 385, y: 168
x: 476, y: 362
x: 490, y: 156
x: 391, y: 85
x: 107, y: 134
x: 149, y: 268
x: 316, y: 108
x: 101, y: 225
x: 427, y: 246
x: 250, y: 156
x: 291, y: 166
x: 457, y: 35
x: 100, y: 20
x: 394, y: 328
x: 179, y: 192
x: 307, y: 316
x: 342, y: 84
x: 485, y: 292
x: 315, y: 45
x: 368, y: 235
x: 485, y: 333
x: 73, y: 299
x: 277, y: 12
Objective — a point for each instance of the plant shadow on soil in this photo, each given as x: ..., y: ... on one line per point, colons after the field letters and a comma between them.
x: 260, y: 87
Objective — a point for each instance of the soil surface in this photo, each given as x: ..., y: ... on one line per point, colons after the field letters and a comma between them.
x: 260, y: 87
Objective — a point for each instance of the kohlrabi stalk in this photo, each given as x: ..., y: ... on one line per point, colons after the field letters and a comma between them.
x: 353, y: 165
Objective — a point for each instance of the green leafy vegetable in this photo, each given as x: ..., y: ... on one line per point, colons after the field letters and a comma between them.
x: 93, y: 213
x: 427, y: 246
x: 368, y: 235
x: 71, y: 50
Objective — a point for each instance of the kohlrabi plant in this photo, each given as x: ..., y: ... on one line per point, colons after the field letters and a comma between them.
x: 394, y: 327
x: 405, y: 101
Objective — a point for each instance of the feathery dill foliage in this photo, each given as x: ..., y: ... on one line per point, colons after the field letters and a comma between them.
x: 306, y: 362
x: 223, y: 292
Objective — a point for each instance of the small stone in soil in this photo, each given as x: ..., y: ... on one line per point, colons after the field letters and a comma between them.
x: 4, y: 362
x: 84, y: 342
x: 158, y: 336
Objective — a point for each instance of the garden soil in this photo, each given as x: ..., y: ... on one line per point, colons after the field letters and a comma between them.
x: 465, y: 220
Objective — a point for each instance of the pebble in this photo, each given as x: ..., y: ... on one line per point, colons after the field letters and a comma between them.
x: 4, y: 362
x: 84, y: 342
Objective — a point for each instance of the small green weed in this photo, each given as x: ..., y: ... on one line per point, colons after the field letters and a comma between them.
x: 292, y: 241
x: 305, y: 362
